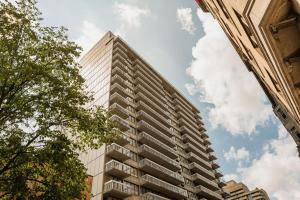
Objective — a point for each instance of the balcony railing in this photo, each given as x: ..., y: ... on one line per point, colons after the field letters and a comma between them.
x: 121, y: 90
x: 144, y: 126
x: 153, y: 113
x: 195, y: 135
x: 148, y: 81
x: 142, y: 73
x: 118, y: 169
x: 160, y: 171
x: 117, y: 189
x: 119, y: 110
x: 194, y: 167
x: 122, y: 138
x: 154, y: 106
x: 207, y: 193
x: 118, y: 79
x: 164, y: 187
x: 218, y: 173
x: 187, y: 138
x: 157, y: 93
x: 194, y: 158
x: 152, y: 121
x: 118, y: 152
x: 117, y: 98
x: 183, y: 122
x: 123, y: 125
x: 212, y: 156
x: 148, y: 70
x: 149, y: 95
x: 198, y: 179
x: 152, y: 196
x: 158, y: 157
x: 191, y: 148
x: 145, y: 138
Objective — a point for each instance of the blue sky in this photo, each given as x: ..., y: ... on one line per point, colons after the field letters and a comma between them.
x: 190, y: 50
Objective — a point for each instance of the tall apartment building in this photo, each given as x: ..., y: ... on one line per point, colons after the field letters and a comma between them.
x: 239, y: 191
x: 164, y: 152
x: 266, y: 35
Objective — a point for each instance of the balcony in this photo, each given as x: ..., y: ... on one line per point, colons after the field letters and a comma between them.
x: 117, y: 152
x: 118, y: 79
x: 187, y: 138
x: 198, y: 179
x: 149, y: 71
x: 157, y: 93
x: 122, y: 138
x: 144, y: 126
x: 183, y: 122
x: 119, y: 110
x: 209, y: 149
x: 189, y: 118
x: 116, y: 70
x: 218, y: 173
x: 195, y: 135
x: 141, y: 115
x: 163, y: 187
x: 123, y: 125
x: 145, y: 138
x: 160, y: 172
x: 149, y: 81
x: 115, y: 168
x: 142, y: 73
x: 215, y: 165
x: 212, y: 156
x: 117, y: 189
x: 116, y: 98
x: 207, y: 193
x: 194, y: 158
x: 142, y: 98
x: 194, y: 167
x: 158, y: 157
x: 152, y: 196
x: 159, y: 102
x: 143, y: 106
x: 120, y: 90
x: 191, y: 148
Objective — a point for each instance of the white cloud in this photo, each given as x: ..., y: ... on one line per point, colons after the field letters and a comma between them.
x: 222, y: 80
x: 229, y: 177
x: 277, y: 170
x: 130, y: 16
x: 90, y: 34
x: 237, y: 154
x: 185, y: 18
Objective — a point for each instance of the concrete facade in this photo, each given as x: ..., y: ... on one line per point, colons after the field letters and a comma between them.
x: 164, y: 152
x: 239, y: 191
x: 266, y: 36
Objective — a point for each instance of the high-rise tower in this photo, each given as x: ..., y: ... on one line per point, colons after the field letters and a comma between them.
x: 164, y: 152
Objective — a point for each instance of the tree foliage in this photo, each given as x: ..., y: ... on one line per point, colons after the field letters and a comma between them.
x: 44, y: 120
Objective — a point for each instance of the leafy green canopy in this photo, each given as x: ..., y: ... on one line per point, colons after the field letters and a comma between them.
x: 42, y: 101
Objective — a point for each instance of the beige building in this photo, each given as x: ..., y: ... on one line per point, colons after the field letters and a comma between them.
x: 165, y: 152
x: 239, y: 191
x: 266, y: 35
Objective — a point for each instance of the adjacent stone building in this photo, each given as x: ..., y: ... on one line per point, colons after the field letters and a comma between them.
x: 239, y: 191
x: 164, y: 152
x: 266, y: 35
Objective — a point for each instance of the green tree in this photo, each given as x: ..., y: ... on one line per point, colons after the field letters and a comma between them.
x: 44, y: 120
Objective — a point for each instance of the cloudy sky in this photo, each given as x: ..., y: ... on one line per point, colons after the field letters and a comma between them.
x: 191, y: 51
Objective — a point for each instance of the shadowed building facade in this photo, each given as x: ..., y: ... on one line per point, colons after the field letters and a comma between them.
x: 164, y: 152
x: 266, y: 36
x: 239, y: 191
